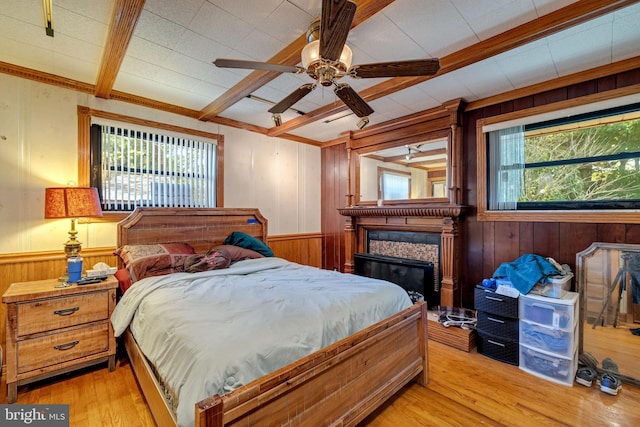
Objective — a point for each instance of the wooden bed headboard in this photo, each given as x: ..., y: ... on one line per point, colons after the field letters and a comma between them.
x: 202, y: 228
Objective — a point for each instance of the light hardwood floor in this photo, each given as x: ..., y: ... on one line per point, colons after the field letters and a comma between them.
x: 465, y: 389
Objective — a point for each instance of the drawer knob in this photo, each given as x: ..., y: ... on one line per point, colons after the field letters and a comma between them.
x: 493, y: 319
x: 66, y: 346
x: 494, y: 299
x: 66, y: 311
x: 496, y: 343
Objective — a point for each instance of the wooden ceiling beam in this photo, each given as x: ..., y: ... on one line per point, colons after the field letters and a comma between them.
x: 561, y: 19
x: 123, y: 22
x: 290, y: 55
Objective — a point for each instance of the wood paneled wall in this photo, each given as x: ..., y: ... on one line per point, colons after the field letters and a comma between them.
x: 301, y: 248
x: 23, y: 267
x: 485, y: 245
x: 334, y: 195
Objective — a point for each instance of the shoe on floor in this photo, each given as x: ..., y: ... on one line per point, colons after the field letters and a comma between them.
x: 610, y: 384
x: 586, y: 375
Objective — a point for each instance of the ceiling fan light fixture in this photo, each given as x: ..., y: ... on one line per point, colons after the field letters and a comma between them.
x: 277, y: 119
x: 409, y: 155
x: 312, y: 61
x: 362, y: 122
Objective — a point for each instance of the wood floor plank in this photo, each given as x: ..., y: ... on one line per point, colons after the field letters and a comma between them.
x: 464, y: 389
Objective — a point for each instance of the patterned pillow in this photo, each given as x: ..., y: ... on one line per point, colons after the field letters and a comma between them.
x: 215, y: 259
x: 154, y: 260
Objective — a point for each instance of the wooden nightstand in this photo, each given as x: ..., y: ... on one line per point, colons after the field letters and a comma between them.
x: 52, y: 330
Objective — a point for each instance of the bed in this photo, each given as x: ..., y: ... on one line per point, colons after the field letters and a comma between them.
x: 335, y: 384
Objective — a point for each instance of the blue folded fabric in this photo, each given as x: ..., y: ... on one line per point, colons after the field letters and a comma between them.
x: 526, y: 271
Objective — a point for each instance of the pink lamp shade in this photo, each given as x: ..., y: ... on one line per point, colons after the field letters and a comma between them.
x: 71, y: 202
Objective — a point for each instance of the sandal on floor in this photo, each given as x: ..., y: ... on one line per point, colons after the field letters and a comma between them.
x: 610, y: 384
x: 586, y: 375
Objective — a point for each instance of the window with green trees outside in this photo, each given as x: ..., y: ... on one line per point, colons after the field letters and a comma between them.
x: 588, y: 161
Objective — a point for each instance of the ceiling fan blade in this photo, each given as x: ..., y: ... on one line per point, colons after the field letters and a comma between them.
x: 335, y: 23
x: 255, y: 65
x: 292, y: 98
x: 354, y: 101
x: 420, y: 67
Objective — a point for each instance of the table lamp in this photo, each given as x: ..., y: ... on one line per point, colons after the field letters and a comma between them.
x: 72, y: 202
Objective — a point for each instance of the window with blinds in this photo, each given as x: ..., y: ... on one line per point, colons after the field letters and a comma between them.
x: 133, y: 167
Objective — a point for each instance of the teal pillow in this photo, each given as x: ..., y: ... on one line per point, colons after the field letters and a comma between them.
x: 238, y: 238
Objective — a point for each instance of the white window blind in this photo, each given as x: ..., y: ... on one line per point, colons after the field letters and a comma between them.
x: 395, y: 186
x: 141, y: 167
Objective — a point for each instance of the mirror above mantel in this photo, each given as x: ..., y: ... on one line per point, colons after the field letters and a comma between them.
x: 421, y: 152
x: 403, y: 173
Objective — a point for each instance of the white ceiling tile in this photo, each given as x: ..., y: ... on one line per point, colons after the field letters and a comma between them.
x: 180, y: 12
x: 524, y: 66
x: 80, y: 27
x: 158, y: 30
x: 259, y: 46
x: 390, y: 45
x: 570, y: 53
x: 199, y: 47
x: 26, y: 11
x: 437, y: 26
x: 147, y: 50
x: 219, y: 25
x: 99, y: 11
x: 296, y: 22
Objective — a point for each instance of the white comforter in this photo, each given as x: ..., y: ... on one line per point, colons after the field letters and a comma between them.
x: 211, y: 332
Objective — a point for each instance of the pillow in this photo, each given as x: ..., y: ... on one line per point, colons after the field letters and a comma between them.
x: 238, y: 238
x: 154, y: 260
x: 215, y: 259
x: 124, y: 280
x: 238, y: 254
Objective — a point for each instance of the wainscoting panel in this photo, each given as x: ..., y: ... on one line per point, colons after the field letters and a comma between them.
x: 301, y: 248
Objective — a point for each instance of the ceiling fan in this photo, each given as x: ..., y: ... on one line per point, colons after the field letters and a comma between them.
x: 327, y: 58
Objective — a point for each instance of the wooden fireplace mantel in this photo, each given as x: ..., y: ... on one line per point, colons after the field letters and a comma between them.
x: 443, y: 219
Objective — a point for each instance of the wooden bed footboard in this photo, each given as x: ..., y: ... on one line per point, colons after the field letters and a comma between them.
x: 338, y: 385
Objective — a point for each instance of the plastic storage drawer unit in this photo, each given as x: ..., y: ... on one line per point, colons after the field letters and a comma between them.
x: 549, y: 339
x: 554, y: 312
x: 491, y: 302
x: 556, y: 287
x: 498, y: 348
x: 549, y: 366
x: 495, y: 324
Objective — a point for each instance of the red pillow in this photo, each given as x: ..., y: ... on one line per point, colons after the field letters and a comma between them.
x: 124, y: 280
x: 154, y: 260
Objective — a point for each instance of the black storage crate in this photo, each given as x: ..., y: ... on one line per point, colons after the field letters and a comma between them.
x: 498, y: 348
x: 491, y: 302
x: 495, y: 324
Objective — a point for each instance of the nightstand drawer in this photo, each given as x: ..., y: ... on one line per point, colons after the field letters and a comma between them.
x: 56, y: 313
x: 53, y: 349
